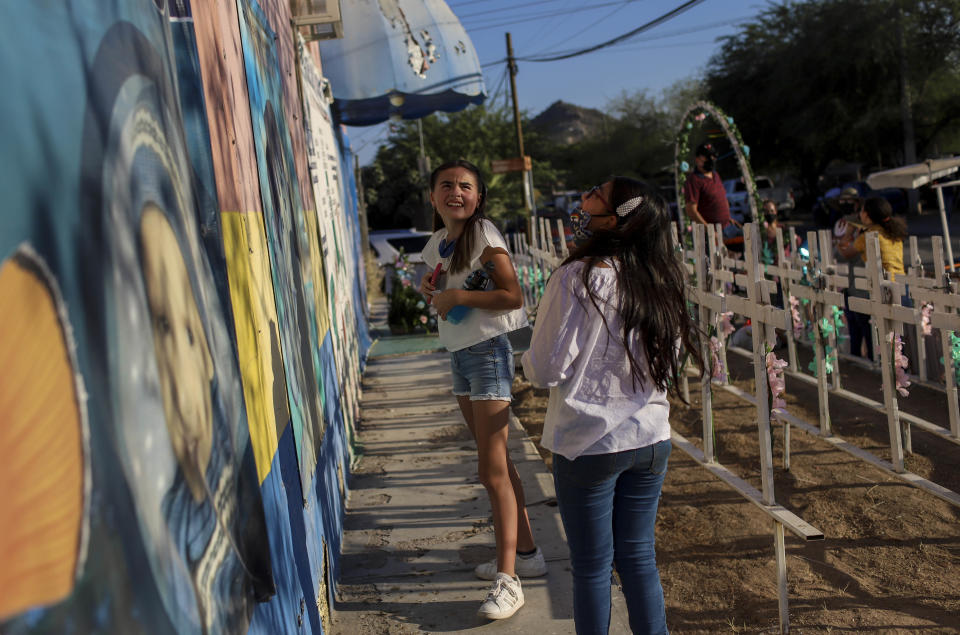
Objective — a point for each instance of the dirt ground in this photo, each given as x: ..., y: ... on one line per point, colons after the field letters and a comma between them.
x: 890, y: 560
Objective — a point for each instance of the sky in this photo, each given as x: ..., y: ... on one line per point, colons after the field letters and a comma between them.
x: 652, y: 60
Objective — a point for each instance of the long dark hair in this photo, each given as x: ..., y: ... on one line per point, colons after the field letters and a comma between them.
x: 881, y: 214
x: 461, y: 255
x: 652, y: 281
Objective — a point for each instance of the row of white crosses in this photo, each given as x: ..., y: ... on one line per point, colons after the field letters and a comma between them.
x: 706, y: 263
x: 820, y: 281
x: 890, y: 316
x: 537, y: 255
x: 941, y: 294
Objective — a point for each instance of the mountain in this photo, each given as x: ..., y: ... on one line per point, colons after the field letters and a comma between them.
x: 564, y: 123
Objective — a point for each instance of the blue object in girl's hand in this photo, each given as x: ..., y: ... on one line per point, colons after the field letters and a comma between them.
x: 478, y: 280
x: 457, y: 313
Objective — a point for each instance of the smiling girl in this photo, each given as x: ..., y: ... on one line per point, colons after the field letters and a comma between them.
x: 481, y: 360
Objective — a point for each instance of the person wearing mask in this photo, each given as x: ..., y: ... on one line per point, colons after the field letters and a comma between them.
x: 705, y: 199
x: 609, y: 338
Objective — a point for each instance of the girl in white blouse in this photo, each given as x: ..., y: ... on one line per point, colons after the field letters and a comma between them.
x: 606, y: 344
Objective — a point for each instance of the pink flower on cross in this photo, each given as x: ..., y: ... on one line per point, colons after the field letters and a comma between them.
x: 725, y: 326
x: 925, y: 312
x: 775, y: 368
x: 900, y: 364
x: 795, y: 317
x: 423, y: 319
x: 718, y: 372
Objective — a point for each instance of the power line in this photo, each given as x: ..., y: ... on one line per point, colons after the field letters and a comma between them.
x: 476, y: 2
x: 501, y: 85
x: 547, y: 25
x: 622, y: 6
x: 501, y: 10
x: 621, y: 46
x: 483, y: 23
x: 640, y: 29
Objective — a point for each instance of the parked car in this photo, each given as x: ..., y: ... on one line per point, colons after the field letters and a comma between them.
x: 766, y: 188
x: 387, y: 245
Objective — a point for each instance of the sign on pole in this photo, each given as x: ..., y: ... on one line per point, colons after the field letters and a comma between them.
x: 516, y: 164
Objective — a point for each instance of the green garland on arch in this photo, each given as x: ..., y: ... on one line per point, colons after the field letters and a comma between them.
x: 694, y: 117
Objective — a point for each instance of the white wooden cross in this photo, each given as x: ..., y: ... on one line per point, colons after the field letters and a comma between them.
x: 946, y: 317
x: 764, y: 318
x: 916, y: 278
x: 881, y: 306
x: 820, y: 298
x: 709, y: 305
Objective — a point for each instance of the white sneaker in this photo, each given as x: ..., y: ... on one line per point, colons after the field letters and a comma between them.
x: 532, y: 566
x: 504, y: 599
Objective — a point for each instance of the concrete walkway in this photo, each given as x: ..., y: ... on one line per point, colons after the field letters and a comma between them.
x: 418, y: 521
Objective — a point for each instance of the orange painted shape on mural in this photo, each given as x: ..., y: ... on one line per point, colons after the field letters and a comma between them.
x: 41, y: 446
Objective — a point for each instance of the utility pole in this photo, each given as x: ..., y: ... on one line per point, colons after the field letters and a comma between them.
x: 425, y: 222
x: 512, y: 67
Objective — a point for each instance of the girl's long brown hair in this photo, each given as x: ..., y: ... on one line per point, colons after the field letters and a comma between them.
x: 652, y: 281
x: 881, y: 213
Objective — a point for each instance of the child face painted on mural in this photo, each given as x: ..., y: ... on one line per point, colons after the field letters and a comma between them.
x: 183, y: 356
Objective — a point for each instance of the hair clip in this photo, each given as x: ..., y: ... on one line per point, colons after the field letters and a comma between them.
x: 628, y: 206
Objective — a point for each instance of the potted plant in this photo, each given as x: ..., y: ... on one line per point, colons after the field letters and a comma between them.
x: 408, y: 312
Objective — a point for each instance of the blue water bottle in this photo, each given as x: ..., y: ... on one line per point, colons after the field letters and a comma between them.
x: 477, y: 281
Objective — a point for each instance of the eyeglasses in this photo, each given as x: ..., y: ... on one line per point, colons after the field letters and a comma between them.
x: 595, y: 191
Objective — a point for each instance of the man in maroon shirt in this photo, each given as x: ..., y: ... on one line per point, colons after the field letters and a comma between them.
x: 703, y: 193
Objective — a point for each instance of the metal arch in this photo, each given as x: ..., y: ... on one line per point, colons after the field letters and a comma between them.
x: 742, y: 160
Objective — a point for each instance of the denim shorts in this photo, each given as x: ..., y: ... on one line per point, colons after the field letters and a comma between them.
x: 484, y: 371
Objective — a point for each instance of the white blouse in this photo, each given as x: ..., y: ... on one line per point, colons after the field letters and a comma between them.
x: 479, y: 325
x: 593, y: 407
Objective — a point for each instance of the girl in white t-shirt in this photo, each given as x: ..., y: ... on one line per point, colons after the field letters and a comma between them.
x: 606, y: 341
x: 470, y: 250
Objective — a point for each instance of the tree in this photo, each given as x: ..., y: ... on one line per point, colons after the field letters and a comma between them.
x: 811, y: 81
x: 638, y: 141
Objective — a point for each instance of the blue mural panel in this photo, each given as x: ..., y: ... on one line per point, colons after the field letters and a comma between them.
x: 103, y: 198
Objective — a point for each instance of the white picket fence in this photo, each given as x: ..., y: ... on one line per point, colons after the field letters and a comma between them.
x: 720, y: 283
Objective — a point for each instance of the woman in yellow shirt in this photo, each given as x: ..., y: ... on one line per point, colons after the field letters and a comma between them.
x: 877, y: 216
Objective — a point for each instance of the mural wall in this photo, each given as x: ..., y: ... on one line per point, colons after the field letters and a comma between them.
x: 179, y: 327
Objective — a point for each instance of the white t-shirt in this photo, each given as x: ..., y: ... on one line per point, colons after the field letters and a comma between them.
x: 479, y: 324
x: 593, y: 408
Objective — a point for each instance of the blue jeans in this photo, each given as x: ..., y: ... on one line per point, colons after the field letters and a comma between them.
x: 608, y: 504
x: 484, y: 371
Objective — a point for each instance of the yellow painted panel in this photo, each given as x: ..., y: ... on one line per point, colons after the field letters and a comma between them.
x: 319, y: 280
x: 255, y: 316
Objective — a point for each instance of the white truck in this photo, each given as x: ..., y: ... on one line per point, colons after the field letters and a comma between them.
x: 737, y: 197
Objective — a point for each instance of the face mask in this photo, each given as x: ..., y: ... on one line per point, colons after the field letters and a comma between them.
x: 708, y: 165
x: 579, y: 219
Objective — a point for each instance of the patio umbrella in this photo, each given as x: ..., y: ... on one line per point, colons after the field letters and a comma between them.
x: 910, y: 177
x: 400, y: 58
